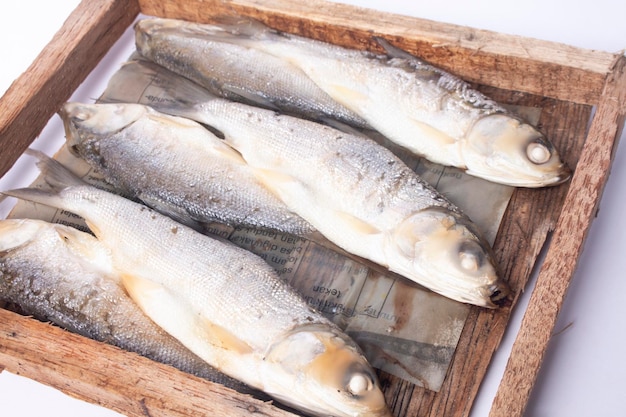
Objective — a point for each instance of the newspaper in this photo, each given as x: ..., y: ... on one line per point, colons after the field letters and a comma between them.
x: 404, y: 329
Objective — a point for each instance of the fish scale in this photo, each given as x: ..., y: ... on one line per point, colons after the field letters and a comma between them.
x: 353, y: 191
x: 223, y: 303
x: 63, y: 275
x: 179, y: 167
x: 417, y: 106
x: 271, y: 83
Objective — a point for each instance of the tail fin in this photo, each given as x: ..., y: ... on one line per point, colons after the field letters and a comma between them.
x: 163, y: 90
x: 56, y: 176
x: 54, y: 173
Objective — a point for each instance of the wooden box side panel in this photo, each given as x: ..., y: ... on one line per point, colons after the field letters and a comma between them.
x: 119, y: 380
x: 580, y: 207
x: 86, y: 36
x: 479, y: 56
x: 89, y: 33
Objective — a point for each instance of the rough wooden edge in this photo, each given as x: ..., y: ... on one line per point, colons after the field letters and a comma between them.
x: 480, y: 56
x: 580, y: 207
x: 124, y: 382
x: 43, y: 103
x: 85, y: 37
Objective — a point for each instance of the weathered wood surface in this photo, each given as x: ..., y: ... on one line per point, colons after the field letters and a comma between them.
x: 85, y: 37
x: 485, y: 57
x: 489, y: 58
x: 119, y: 380
x: 560, y: 263
x: 531, y: 215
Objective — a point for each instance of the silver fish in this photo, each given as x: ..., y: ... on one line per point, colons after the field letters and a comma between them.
x: 60, y: 274
x: 416, y: 105
x: 178, y: 167
x: 223, y: 69
x: 356, y: 193
x: 223, y: 303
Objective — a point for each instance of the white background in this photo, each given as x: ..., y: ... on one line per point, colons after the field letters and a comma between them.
x: 584, y: 373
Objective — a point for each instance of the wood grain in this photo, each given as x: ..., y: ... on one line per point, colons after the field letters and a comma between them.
x: 577, y: 79
x: 105, y: 375
x: 530, y: 65
x: 87, y: 34
x: 560, y: 263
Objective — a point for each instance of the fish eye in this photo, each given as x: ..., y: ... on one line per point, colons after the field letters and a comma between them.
x: 359, y: 384
x: 469, y: 261
x: 538, y: 152
x: 471, y: 256
x: 80, y: 116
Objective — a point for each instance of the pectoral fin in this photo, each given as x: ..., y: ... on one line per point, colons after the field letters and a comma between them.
x: 345, y: 95
x: 279, y: 183
x: 354, y: 223
x: 198, y: 333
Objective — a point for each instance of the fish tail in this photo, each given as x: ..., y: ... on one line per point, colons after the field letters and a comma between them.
x: 56, y: 176
x: 16, y: 232
x: 37, y: 195
x: 176, y: 95
x: 54, y: 173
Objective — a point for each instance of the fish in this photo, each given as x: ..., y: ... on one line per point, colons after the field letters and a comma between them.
x: 221, y: 68
x: 223, y: 303
x: 420, y: 107
x: 62, y: 275
x: 353, y: 191
x: 178, y: 167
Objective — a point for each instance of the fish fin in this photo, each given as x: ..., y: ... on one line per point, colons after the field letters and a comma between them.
x: 336, y: 124
x: 278, y: 183
x: 346, y: 95
x: 174, y: 94
x: 283, y: 184
x: 170, y: 312
x: 243, y: 26
x: 223, y: 338
x: 157, y: 302
x: 37, y: 195
x: 57, y: 176
x: 248, y: 97
x: 432, y: 133
x: 54, y: 173
x: 15, y: 233
x: 354, y: 223
x: 395, y: 52
x: 178, y: 215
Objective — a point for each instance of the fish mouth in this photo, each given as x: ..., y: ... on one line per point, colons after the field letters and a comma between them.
x: 563, y: 175
x: 499, y: 294
x: 557, y: 177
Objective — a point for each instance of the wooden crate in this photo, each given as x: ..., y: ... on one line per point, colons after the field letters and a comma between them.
x: 567, y: 83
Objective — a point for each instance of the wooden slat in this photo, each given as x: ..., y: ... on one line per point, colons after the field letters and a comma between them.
x: 560, y: 263
x: 119, y: 380
x: 85, y: 37
x: 534, y: 66
x: 503, y: 61
x: 531, y: 215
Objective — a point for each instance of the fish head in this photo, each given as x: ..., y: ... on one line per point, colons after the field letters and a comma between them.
x: 78, y: 245
x: 86, y: 124
x: 320, y: 370
x: 16, y: 233
x: 443, y: 250
x: 507, y: 150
